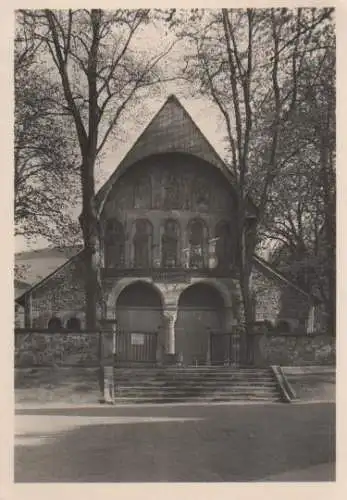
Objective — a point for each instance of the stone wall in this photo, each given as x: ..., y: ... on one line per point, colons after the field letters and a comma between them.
x: 50, y: 349
x: 61, y: 295
x: 294, y: 350
x: 277, y: 301
x: 82, y: 349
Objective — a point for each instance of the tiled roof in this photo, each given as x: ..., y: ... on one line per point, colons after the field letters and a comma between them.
x: 172, y: 130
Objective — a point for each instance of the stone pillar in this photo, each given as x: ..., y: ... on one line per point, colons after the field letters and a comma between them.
x: 171, y: 293
x: 184, y: 244
x: 156, y: 250
x: 170, y: 316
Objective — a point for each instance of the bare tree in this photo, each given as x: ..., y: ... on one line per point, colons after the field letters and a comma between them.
x: 301, y: 210
x: 101, y: 72
x: 250, y: 62
x: 46, y: 173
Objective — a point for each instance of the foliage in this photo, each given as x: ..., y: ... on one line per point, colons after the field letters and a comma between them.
x: 253, y: 64
x: 100, y: 73
x: 46, y: 166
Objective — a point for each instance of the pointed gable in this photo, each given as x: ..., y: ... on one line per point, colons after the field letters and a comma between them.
x: 172, y: 130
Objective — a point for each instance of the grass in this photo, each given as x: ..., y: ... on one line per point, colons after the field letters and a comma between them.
x: 313, y: 384
x: 68, y: 384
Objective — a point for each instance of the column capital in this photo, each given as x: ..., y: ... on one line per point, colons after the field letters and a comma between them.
x: 170, y: 313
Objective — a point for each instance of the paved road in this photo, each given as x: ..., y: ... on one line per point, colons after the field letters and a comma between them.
x: 176, y: 443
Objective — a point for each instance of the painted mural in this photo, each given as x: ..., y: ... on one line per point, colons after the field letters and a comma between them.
x: 171, y: 188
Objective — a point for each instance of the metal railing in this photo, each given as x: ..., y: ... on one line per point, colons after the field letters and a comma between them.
x: 137, y: 347
x: 168, y: 274
x: 224, y: 348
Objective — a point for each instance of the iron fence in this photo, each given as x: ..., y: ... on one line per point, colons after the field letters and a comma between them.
x: 225, y: 348
x: 137, y: 347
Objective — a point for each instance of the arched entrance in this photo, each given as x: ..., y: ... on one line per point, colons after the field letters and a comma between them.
x: 201, y: 311
x: 139, y: 320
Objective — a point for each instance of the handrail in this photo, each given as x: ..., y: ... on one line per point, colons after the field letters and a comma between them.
x: 287, y: 392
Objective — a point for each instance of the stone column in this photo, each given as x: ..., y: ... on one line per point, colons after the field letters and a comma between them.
x: 171, y: 293
x: 170, y: 316
x: 184, y: 244
x: 156, y: 250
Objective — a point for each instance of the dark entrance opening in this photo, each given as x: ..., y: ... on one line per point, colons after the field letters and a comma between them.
x: 139, y: 319
x: 201, y: 311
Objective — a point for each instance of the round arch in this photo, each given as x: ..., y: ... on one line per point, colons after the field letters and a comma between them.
x: 139, y: 314
x: 220, y: 287
x: 140, y: 294
x: 201, y: 311
x: 120, y: 286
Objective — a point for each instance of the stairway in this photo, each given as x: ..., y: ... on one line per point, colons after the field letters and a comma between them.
x: 194, y: 384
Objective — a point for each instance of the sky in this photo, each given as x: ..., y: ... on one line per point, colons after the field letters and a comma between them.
x: 202, y: 111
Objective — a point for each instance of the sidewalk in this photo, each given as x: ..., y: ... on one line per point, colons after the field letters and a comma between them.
x: 59, y: 405
x: 321, y: 472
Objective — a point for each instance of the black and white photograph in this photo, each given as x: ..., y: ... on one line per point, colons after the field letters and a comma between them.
x: 174, y: 193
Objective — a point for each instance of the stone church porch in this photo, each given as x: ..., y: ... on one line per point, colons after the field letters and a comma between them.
x: 186, y: 323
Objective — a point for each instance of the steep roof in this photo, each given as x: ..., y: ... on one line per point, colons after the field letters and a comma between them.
x: 48, y: 275
x: 268, y: 269
x: 172, y: 130
x: 38, y: 264
x: 20, y: 287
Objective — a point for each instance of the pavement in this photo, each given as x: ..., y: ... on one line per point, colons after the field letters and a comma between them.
x: 175, y: 443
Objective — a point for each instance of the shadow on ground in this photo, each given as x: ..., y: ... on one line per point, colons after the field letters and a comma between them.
x: 220, y: 443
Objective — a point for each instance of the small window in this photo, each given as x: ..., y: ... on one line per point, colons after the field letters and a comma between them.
x: 55, y: 324
x: 169, y: 244
x: 142, y: 242
x: 197, y: 242
x: 114, y: 244
x: 223, y: 245
x: 73, y: 324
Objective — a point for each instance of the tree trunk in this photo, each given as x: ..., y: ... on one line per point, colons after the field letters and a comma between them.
x: 246, y: 246
x: 90, y: 229
x: 247, y: 331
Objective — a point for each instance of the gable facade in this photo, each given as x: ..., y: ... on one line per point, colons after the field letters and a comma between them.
x: 169, y: 264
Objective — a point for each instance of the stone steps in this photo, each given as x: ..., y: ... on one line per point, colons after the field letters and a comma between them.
x: 173, y: 384
x: 190, y: 399
x: 190, y: 386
